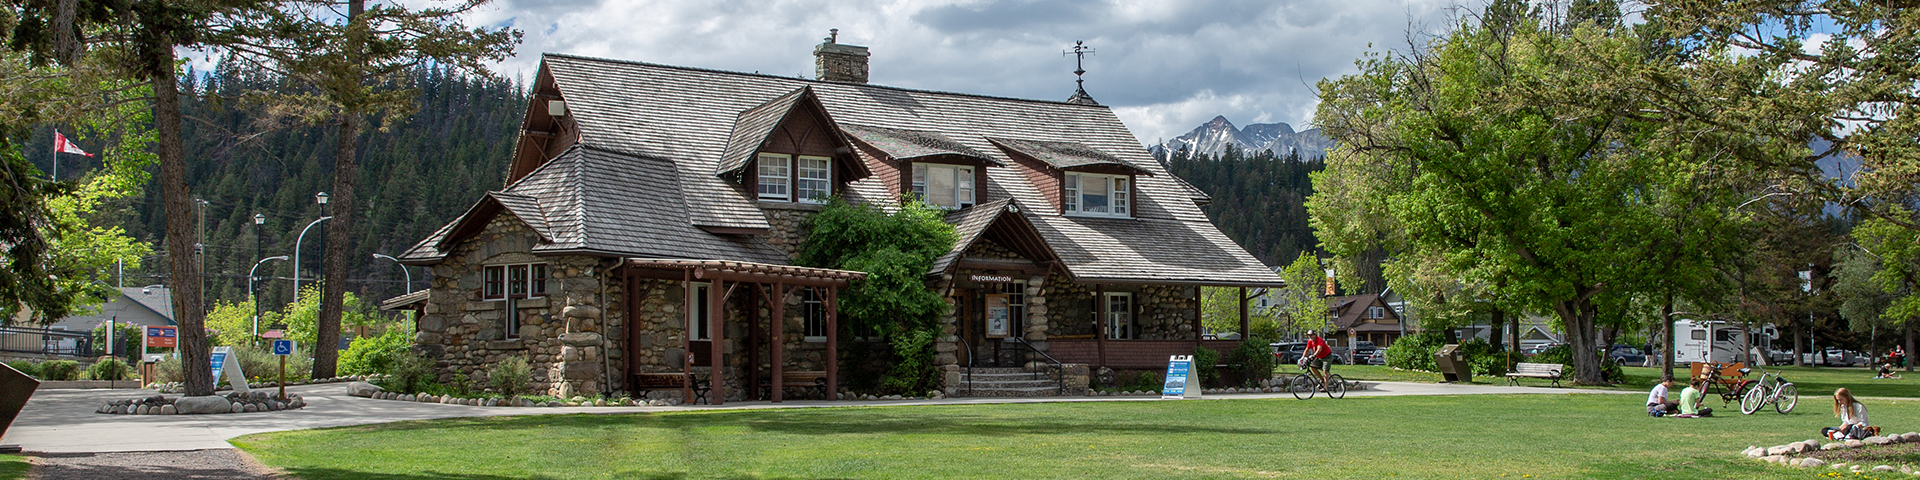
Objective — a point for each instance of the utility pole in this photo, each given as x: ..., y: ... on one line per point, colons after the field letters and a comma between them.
x: 200, y: 249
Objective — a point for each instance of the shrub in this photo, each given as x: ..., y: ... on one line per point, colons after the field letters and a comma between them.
x: 26, y: 367
x: 1203, y: 361
x: 109, y: 369
x: 1252, y: 361
x: 1560, y: 354
x: 409, y: 374
x: 56, y: 370
x: 374, y: 355
x: 1415, y: 352
x: 1147, y: 381
x: 167, y: 370
x: 510, y: 377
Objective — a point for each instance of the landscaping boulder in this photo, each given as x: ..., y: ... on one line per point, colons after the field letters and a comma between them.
x: 202, y: 405
x: 1812, y: 463
x: 1882, y: 468
x: 1779, y: 450
x: 1834, y: 446
x: 362, y: 389
x: 1855, y: 444
x: 1878, y: 440
x: 1910, y: 437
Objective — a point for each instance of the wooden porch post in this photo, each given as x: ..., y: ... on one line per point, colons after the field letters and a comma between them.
x: 1246, y: 322
x: 753, y: 341
x: 686, y: 339
x: 778, y: 330
x: 1198, y: 328
x: 717, y: 331
x: 1100, y: 323
x: 833, y: 344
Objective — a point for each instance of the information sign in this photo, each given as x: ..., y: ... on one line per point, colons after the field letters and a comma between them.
x: 1179, y: 383
x: 162, y: 336
x: 223, y: 362
x: 997, y: 322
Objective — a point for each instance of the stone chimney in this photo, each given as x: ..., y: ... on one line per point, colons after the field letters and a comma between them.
x: 837, y: 62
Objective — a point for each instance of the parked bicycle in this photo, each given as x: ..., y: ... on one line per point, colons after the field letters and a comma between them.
x: 1771, y: 389
x: 1306, y: 385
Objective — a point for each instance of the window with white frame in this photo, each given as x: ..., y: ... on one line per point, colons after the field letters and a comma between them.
x: 948, y: 186
x: 814, y: 182
x: 813, y: 315
x: 702, y: 328
x: 1376, y: 312
x: 776, y: 171
x: 1091, y: 194
x: 1120, y: 316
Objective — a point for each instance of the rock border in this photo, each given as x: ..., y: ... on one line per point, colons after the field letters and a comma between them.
x: 177, y: 387
x: 235, y: 402
x: 1784, y: 454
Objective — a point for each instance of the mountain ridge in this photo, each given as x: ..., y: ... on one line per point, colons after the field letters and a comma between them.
x: 1213, y: 137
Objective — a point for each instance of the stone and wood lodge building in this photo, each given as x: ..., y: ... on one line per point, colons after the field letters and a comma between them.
x: 646, y: 199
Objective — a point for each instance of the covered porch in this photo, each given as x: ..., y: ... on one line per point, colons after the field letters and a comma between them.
x: 747, y: 287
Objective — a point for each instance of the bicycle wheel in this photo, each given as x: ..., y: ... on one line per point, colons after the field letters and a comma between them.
x: 1785, y: 398
x: 1303, y: 386
x: 1336, y: 386
x: 1755, y: 397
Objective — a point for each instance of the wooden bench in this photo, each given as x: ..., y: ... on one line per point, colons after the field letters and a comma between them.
x: 643, y: 383
x: 1549, y: 371
x: 807, y: 383
x: 1727, y: 375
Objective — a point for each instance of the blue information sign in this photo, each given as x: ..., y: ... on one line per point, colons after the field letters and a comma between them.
x: 1178, y: 367
x: 283, y: 347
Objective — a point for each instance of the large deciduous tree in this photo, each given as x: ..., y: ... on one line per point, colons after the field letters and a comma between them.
x: 354, y: 58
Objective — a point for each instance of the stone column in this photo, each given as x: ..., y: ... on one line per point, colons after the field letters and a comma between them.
x: 1037, y: 313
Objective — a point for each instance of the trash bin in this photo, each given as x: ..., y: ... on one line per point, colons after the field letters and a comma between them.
x: 1453, y: 364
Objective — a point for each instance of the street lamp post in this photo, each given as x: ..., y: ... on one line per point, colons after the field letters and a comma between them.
x: 296, y: 255
x: 403, y: 271
x: 256, y: 298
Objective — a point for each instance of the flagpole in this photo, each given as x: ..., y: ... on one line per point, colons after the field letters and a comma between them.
x: 56, y: 155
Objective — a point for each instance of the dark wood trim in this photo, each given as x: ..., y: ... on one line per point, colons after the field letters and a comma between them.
x: 705, y: 274
x: 1024, y: 266
x: 1100, y: 321
x: 833, y: 344
x: 717, y: 331
x: 777, y: 328
x: 1245, y: 320
x: 733, y: 230
x: 686, y: 337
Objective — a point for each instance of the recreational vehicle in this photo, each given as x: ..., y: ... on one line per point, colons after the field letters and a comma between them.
x: 1717, y: 342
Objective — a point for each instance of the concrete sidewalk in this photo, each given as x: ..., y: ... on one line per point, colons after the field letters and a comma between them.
x: 63, y: 421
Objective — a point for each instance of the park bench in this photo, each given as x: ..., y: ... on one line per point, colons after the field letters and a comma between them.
x: 806, y: 383
x: 1549, y: 371
x: 643, y: 383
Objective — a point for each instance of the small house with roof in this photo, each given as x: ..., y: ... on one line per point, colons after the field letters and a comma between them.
x: 1363, y: 318
x: 651, y: 216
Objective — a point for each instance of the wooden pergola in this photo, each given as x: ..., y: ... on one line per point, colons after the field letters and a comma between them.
x: 775, y: 282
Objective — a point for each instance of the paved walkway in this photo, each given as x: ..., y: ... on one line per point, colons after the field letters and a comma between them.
x: 62, y: 421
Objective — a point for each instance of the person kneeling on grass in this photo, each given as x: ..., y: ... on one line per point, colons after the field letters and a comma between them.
x: 1853, y: 417
x: 1657, y: 403
x: 1690, y: 400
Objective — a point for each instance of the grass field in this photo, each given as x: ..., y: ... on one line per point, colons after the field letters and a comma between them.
x: 1812, y: 381
x: 13, y: 467
x: 1479, y: 436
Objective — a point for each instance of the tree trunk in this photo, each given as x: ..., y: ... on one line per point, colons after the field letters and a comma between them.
x: 187, y: 312
x: 1798, y: 359
x: 333, y: 282
x: 1493, y: 330
x: 1666, y: 334
x: 1582, y: 339
x: 1514, y: 332
x: 1907, y: 358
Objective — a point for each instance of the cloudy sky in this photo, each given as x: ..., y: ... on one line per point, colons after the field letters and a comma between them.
x: 1164, y: 66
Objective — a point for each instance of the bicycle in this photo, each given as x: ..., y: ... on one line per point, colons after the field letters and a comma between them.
x: 1305, y: 385
x: 1779, y: 392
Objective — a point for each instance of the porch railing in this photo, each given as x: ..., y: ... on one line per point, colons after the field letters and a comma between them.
x: 1059, y: 369
x: 46, y: 341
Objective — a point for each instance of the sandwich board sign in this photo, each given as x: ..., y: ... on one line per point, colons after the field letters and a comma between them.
x: 1180, y: 384
x: 225, y: 362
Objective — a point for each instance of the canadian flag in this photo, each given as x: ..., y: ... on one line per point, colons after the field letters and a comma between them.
x: 61, y: 145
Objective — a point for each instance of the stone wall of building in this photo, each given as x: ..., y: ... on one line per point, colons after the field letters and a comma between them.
x: 564, y: 336
x: 789, y: 222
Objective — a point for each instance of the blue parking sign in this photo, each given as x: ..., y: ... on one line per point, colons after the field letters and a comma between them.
x: 283, y: 347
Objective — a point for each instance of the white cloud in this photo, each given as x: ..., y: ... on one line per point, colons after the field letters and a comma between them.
x: 1165, y: 66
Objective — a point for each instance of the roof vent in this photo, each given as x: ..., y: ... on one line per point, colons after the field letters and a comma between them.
x: 557, y: 108
x: 837, y: 62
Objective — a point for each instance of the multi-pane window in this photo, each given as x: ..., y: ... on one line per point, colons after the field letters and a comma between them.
x: 1120, y: 316
x: 496, y: 284
x: 538, y: 287
x: 517, y: 281
x: 1097, y: 195
x: 948, y: 186
x: 775, y: 173
x: 1016, y: 306
x: 1376, y: 312
x: 702, y: 328
x: 815, y: 182
x: 813, y: 315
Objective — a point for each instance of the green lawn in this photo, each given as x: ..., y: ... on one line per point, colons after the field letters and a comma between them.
x: 13, y: 467
x: 1812, y: 381
x: 1480, y: 436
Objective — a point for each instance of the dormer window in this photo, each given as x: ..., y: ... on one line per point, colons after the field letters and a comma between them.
x: 1096, y: 195
x: 815, y: 181
x: 776, y: 171
x: 949, y: 186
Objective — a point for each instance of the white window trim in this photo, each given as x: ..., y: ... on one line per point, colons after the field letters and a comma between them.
x: 1113, y: 330
x: 798, y: 195
x: 804, y: 328
x: 1074, y: 188
x: 962, y: 174
x: 761, y: 177
x: 700, y: 320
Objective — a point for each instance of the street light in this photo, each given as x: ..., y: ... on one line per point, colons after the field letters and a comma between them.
x: 403, y: 270
x: 250, y: 292
x: 322, y: 198
x: 296, y: 253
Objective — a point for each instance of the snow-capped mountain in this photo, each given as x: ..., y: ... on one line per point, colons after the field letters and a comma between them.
x: 1213, y: 137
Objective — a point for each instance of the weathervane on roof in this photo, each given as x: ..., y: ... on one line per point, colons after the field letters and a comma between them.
x: 1080, y: 52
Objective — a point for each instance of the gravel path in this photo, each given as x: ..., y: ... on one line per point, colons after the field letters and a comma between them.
x: 221, y: 464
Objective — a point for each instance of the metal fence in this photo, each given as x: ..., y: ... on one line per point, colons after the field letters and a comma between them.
x: 46, y: 341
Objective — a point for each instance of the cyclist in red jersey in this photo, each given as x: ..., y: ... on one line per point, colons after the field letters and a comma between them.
x: 1315, y: 358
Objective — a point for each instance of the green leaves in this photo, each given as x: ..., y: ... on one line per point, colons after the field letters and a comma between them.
x: 895, y: 250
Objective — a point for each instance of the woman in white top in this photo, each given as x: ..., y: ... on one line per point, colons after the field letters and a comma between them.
x: 1853, y: 417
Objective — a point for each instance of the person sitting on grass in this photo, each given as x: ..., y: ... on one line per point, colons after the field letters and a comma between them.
x: 1886, y: 371
x: 1853, y: 417
x: 1657, y: 403
x: 1691, y: 397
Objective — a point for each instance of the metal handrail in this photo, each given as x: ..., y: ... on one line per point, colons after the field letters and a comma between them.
x: 1059, y: 369
x: 970, y: 355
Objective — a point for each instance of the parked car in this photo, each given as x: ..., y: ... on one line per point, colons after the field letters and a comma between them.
x: 1536, y: 349
x: 1361, y: 350
x: 1780, y: 357
x: 1379, y: 357
x: 1627, y: 355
